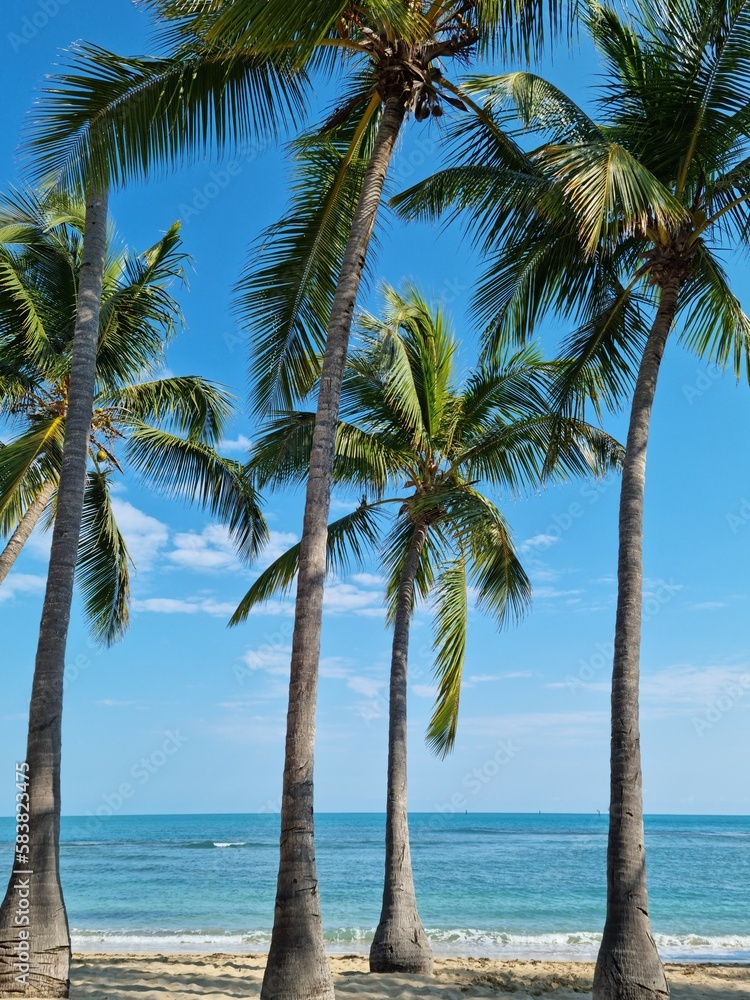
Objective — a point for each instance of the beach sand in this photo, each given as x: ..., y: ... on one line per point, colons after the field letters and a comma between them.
x: 223, y: 977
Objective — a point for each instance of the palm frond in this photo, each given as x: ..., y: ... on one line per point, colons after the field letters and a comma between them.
x: 503, y: 588
x: 103, y: 568
x: 184, y: 404
x: 269, y: 27
x: 139, y: 314
x: 286, y: 291
x: 29, y: 462
x: 281, y: 455
x: 450, y: 628
x: 350, y: 539
x: 516, y: 384
x: 194, y: 472
x: 600, y: 359
x: 610, y: 191
x: 20, y: 312
x: 715, y: 325
x: 117, y: 119
x: 524, y: 455
x: 540, y: 105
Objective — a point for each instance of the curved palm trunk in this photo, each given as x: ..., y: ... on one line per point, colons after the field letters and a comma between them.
x: 400, y: 943
x: 45, y: 973
x: 628, y: 966
x: 21, y: 535
x: 297, y: 967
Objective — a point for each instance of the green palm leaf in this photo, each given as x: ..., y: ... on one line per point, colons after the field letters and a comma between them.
x: 350, y: 538
x: 539, y: 104
x: 118, y: 119
x: 281, y: 455
x: 450, y: 627
x: 139, y: 314
x: 503, y: 588
x: 286, y: 291
x: 103, y: 568
x: 715, y: 325
x: 604, y: 184
x: 28, y: 463
x: 185, y: 404
x: 170, y: 426
x: 192, y: 471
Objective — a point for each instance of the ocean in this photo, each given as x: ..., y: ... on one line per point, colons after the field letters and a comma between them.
x: 503, y: 885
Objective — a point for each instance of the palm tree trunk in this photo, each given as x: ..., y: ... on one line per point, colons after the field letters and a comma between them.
x: 400, y: 943
x: 46, y: 971
x: 297, y: 967
x: 628, y: 966
x: 21, y: 535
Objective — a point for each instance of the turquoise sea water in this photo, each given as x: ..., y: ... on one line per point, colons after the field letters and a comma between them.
x: 501, y: 885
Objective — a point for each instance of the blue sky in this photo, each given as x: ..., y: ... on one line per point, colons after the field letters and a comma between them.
x: 534, y: 722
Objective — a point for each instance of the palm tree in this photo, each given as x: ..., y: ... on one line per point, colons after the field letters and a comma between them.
x: 47, y: 971
x: 81, y: 141
x: 407, y: 424
x: 617, y: 224
x: 61, y: 348
x: 237, y: 65
x: 169, y: 426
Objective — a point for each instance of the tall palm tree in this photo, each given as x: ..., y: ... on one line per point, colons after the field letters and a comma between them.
x: 59, y: 267
x: 80, y: 141
x: 47, y: 971
x: 617, y: 223
x: 235, y: 62
x: 408, y: 424
x: 169, y: 427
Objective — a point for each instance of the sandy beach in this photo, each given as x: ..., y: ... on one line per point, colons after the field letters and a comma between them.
x: 184, y: 977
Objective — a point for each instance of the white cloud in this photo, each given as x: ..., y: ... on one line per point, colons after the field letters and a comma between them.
x: 335, y: 667
x: 538, y: 543
x: 563, y: 727
x: 659, y: 586
x: 690, y: 685
x: 277, y: 545
x: 274, y: 661
x: 541, y: 573
x: 165, y: 606
x: 340, y: 505
x: 369, y: 580
x: 190, y: 606
x: 549, y: 593
x: 675, y: 689
x: 211, y: 549
x: 17, y: 584
x: 239, y: 444
x: 239, y: 726
x: 347, y: 598
x: 367, y: 686
x: 145, y: 536
x: 708, y: 606
x: 363, y: 596
x: 219, y: 609
x: 270, y: 661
